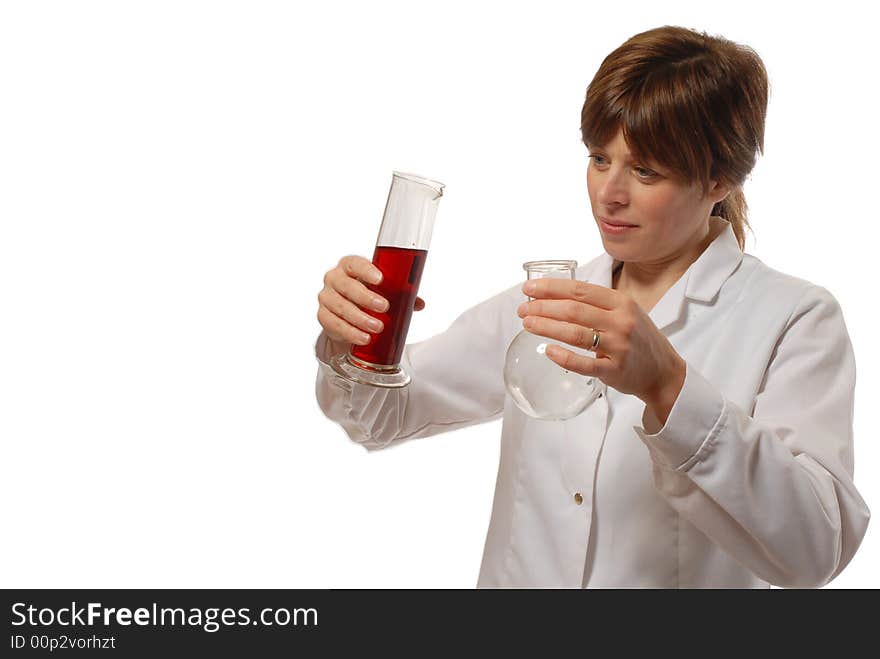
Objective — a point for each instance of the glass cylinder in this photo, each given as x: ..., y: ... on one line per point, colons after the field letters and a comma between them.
x: 400, y: 254
x: 538, y: 385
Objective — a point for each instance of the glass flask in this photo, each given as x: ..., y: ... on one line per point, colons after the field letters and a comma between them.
x: 400, y: 254
x: 538, y: 385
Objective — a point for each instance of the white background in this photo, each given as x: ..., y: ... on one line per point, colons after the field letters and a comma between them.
x: 175, y: 179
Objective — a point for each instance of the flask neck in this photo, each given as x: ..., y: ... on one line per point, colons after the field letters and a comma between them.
x: 558, y: 269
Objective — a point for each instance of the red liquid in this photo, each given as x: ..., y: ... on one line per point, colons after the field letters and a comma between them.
x: 401, y: 273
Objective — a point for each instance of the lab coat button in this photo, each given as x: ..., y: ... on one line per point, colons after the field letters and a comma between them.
x: 578, y: 498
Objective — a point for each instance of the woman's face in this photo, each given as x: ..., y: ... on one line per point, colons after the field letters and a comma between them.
x: 670, y: 217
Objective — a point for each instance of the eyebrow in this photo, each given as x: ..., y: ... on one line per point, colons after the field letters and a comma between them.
x: 627, y: 157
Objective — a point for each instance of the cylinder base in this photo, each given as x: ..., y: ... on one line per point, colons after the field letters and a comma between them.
x: 355, y: 370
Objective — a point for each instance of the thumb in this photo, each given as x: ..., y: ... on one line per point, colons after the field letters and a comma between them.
x: 419, y: 305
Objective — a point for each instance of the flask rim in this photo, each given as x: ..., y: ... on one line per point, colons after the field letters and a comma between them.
x: 549, y: 265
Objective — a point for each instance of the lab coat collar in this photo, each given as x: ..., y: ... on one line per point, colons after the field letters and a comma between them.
x: 701, y: 282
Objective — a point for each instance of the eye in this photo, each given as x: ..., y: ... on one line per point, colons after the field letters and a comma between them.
x: 644, y: 172
x: 597, y: 159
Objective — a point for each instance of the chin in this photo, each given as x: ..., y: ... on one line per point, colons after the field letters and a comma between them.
x: 612, y: 246
x: 614, y: 250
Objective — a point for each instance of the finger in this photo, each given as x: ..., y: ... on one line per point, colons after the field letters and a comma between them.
x: 419, y: 305
x: 339, y: 329
x: 567, y: 310
x: 553, y: 288
x: 360, y: 268
x: 354, y: 290
x: 571, y: 333
x: 349, y: 312
x: 589, y: 366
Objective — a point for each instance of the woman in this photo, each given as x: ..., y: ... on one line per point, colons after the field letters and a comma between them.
x: 720, y: 454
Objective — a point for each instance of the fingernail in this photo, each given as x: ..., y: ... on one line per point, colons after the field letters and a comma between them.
x: 374, y: 325
x: 529, y: 287
x: 376, y: 277
x: 363, y: 339
x: 379, y: 304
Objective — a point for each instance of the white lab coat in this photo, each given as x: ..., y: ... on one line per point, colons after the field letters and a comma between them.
x: 749, y: 483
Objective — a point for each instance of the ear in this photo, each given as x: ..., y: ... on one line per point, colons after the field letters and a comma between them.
x: 718, y: 191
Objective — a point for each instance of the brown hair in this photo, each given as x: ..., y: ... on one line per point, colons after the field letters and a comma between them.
x: 688, y: 101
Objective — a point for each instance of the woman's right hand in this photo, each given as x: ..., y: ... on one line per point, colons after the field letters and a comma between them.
x: 343, y: 301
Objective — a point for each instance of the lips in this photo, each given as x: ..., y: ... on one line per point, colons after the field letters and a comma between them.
x: 617, y: 223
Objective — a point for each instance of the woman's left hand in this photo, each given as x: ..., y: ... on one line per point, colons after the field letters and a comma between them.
x: 633, y: 356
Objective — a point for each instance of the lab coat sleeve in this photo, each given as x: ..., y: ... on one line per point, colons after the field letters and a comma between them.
x: 774, y: 489
x: 457, y: 381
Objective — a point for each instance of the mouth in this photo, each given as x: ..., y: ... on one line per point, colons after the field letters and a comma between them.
x: 616, y: 223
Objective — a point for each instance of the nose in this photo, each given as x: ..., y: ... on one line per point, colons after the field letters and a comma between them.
x: 612, y: 190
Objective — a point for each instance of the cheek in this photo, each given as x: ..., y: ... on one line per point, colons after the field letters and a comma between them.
x: 658, y: 204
